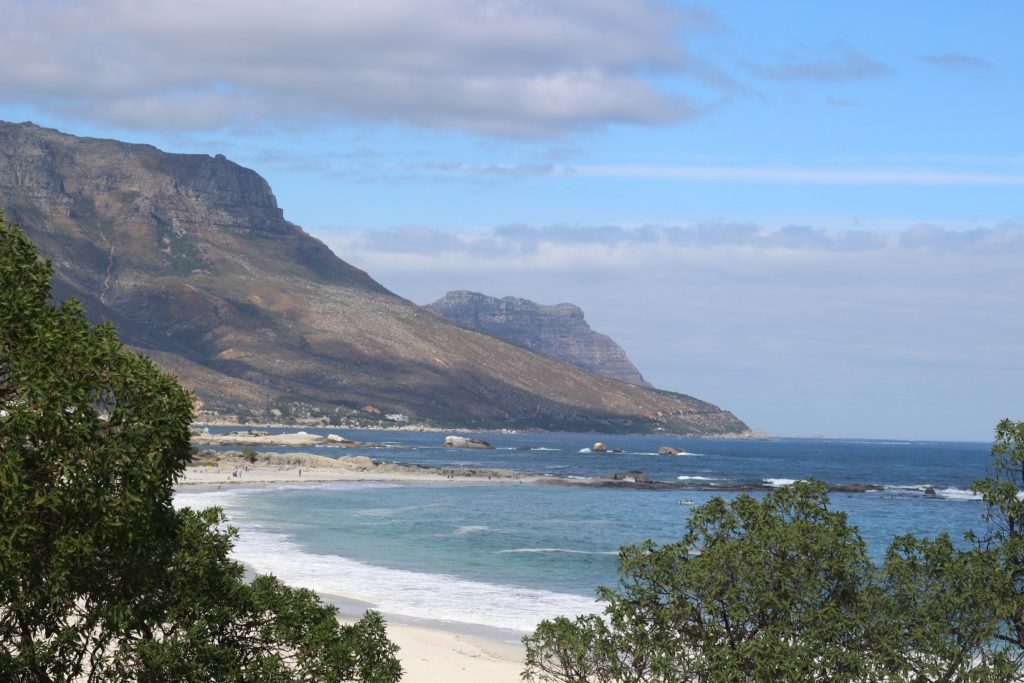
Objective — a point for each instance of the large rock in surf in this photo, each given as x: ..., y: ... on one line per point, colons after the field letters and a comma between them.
x: 633, y: 476
x: 463, y: 442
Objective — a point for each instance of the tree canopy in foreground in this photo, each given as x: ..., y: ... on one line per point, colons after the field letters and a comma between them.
x: 101, y: 579
x: 781, y: 589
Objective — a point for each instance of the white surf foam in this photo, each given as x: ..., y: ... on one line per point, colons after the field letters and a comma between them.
x: 687, y: 477
x: 438, y: 597
x: 777, y: 482
x: 206, y: 499
x: 957, y: 494
x: 946, y: 493
x: 414, y: 594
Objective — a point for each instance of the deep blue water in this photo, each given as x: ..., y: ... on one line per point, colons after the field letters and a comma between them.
x: 508, y: 555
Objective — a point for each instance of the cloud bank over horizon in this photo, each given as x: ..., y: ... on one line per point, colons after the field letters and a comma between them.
x: 526, y: 247
x: 915, y: 332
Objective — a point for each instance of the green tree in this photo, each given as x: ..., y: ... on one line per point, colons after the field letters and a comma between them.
x: 757, y: 590
x: 943, y: 610
x: 781, y: 589
x: 100, y: 578
x: 1003, y: 493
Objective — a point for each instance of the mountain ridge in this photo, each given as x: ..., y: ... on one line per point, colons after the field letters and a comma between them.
x: 559, y: 331
x: 193, y: 260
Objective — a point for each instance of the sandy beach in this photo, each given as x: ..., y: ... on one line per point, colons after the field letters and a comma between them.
x: 428, y: 652
x: 429, y: 655
x: 232, y: 469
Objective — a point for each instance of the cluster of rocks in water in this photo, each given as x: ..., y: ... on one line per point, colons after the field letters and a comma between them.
x: 600, y: 447
x: 629, y: 479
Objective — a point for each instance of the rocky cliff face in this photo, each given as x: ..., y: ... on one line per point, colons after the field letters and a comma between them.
x: 190, y: 256
x: 558, y: 331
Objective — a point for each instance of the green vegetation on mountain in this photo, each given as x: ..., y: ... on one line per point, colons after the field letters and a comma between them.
x: 101, y: 579
x: 781, y: 589
x: 191, y: 258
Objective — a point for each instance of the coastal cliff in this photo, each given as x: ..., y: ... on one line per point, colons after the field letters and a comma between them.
x: 191, y: 257
x: 558, y: 331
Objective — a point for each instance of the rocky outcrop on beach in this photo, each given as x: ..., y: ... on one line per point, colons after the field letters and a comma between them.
x: 558, y: 331
x: 192, y: 259
x: 257, y: 438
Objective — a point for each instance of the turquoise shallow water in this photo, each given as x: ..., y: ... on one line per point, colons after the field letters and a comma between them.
x: 508, y: 555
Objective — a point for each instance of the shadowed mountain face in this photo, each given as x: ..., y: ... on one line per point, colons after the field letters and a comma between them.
x: 558, y: 331
x: 191, y: 258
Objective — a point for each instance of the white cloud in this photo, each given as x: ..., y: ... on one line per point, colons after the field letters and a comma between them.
x: 781, y: 174
x: 556, y: 246
x: 527, y: 68
x: 838, y: 62
x: 954, y: 61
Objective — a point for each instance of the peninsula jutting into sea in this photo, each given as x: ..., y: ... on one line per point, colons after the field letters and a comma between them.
x: 191, y: 258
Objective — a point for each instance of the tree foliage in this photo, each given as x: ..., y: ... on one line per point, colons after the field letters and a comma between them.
x: 100, y: 578
x: 1003, y: 493
x: 770, y: 589
x: 781, y: 589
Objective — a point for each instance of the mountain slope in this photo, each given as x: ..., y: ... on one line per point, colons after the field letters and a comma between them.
x: 558, y: 331
x: 191, y: 257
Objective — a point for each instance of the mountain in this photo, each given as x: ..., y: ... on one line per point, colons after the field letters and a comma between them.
x: 191, y: 258
x: 558, y: 331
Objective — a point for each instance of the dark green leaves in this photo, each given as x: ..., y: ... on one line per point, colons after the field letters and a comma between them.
x: 781, y: 589
x: 100, y: 578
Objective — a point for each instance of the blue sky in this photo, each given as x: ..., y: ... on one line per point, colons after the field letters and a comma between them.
x: 809, y: 213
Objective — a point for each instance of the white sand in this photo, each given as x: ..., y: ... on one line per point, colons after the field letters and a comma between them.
x: 427, y: 654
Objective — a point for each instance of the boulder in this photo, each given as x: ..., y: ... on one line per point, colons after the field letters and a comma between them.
x: 338, y: 439
x: 599, y: 447
x: 357, y: 462
x: 668, y: 450
x: 463, y: 442
x: 632, y: 476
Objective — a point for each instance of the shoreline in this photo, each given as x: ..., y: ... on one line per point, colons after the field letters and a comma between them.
x: 231, y: 468
x: 427, y: 428
x: 430, y: 649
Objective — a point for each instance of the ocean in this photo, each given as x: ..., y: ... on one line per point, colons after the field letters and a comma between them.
x: 505, y: 556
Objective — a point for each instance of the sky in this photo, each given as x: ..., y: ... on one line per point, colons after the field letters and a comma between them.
x: 810, y: 214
